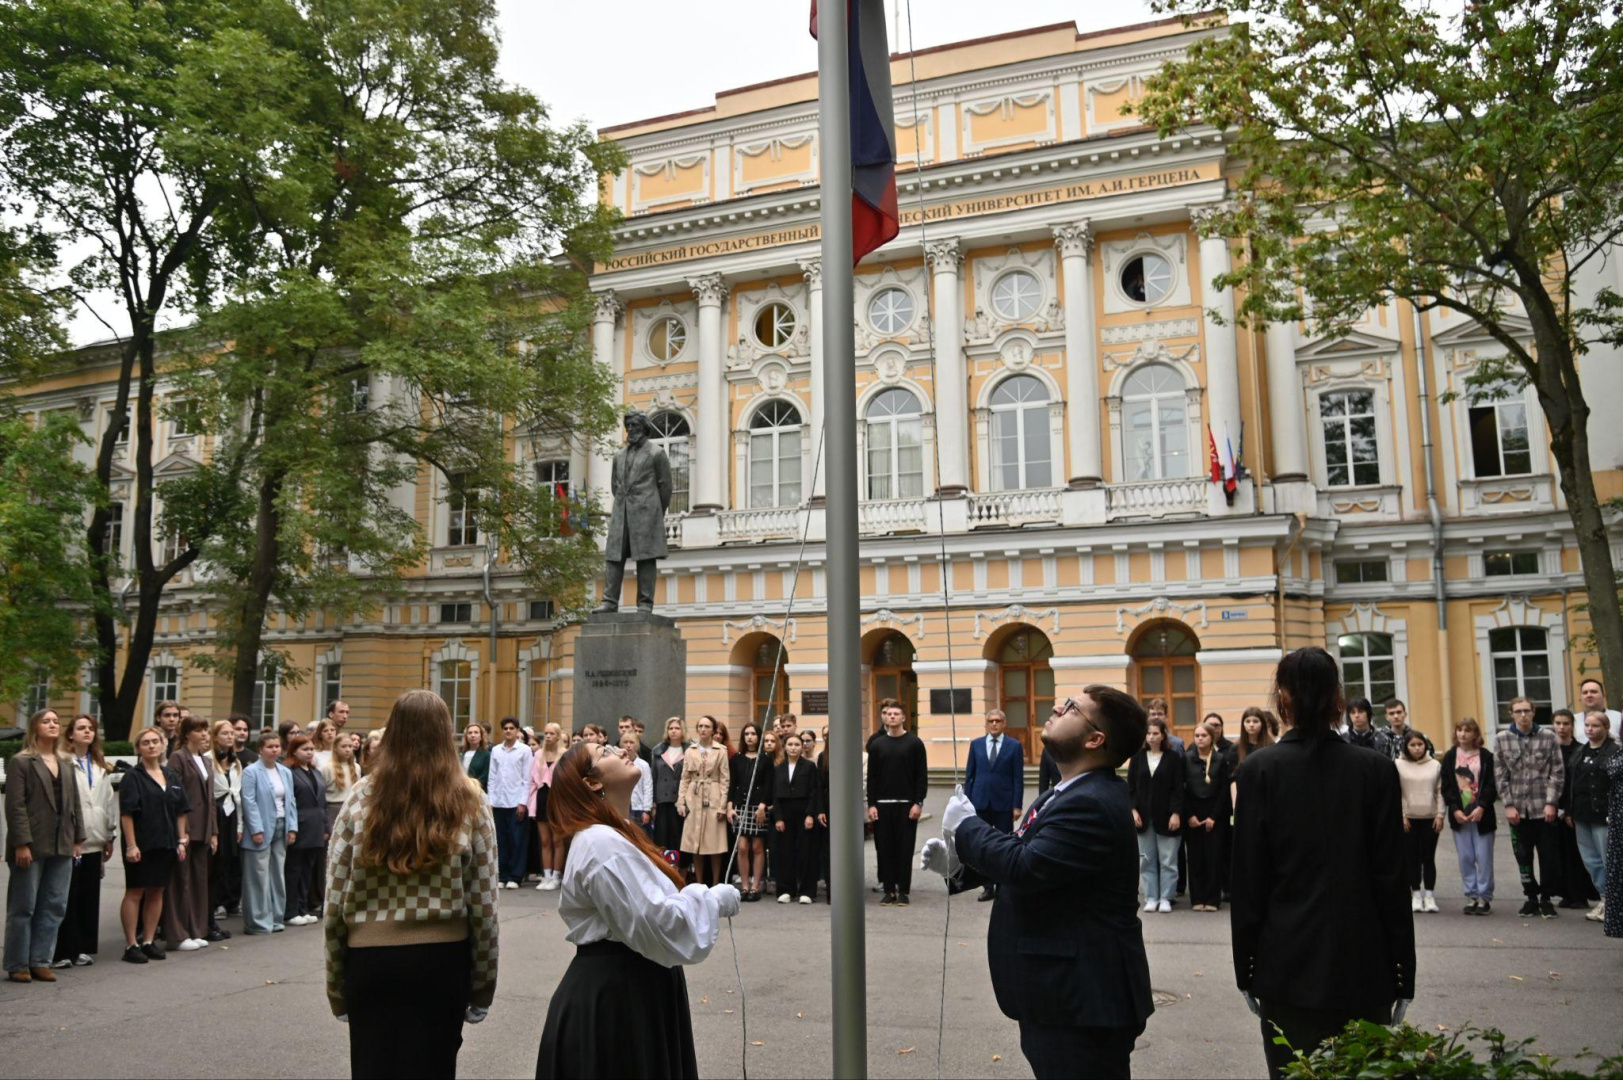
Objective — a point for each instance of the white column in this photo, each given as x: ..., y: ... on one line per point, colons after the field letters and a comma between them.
x: 604, y: 315
x: 952, y: 378
x: 1074, y: 241
x: 709, y: 468
x: 813, y: 271
x: 1222, y: 354
x: 1285, y: 413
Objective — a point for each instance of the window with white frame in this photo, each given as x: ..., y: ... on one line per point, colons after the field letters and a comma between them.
x: 554, y: 476
x: 667, y: 338
x: 1016, y: 296
x: 895, y: 446
x: 38, y: 694
x: 1360, y: 572
x: 461, y: 512
x: 123, y: 438
x: 1368, y: 667
x: 1155, y: 424
x: 1021, y: 454
x: 332, y: 685
x: 1146, y: 279
x: 165, y: 683
x: 183, y: 419
x: 263, y: 708
x: 1521, y: 668
x: 670, y: 432
x: 360, y: 392
x: 455, y: 678
x: 775, y: 324
x: 113, y: 537
x: 890, y: 310
x: 1351, y: 456
x: 1510, y: 563
x: 774, y: 455
x: 1499, y: 441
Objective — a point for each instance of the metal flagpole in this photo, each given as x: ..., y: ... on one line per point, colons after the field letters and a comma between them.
x: 849, y: 955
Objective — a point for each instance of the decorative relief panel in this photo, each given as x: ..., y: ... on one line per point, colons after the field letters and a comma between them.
x: 1014, y: 613
x: 1008, y: 120
x: 1150, y: 331
x: 887, y: 617
x: 1158, y: 608
x: 784, y: 628
x: 677, y: 179
x: 1155, y: 352
x: 1103, y: 98
x: 989, y: 320
x: 915, y: 140
x: 655, y: 384
x: 782, y: 160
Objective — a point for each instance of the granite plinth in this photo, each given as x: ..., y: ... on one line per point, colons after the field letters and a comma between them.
x: 630, y: 663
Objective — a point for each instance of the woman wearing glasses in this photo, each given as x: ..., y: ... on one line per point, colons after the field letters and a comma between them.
x: 633, y: 926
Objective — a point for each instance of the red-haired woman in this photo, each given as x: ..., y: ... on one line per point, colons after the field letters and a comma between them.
x: 633, y: 926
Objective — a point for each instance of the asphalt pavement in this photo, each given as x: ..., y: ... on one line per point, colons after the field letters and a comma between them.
x: 252, y: 1007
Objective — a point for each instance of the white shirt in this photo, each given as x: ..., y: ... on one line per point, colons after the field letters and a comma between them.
x: 275, y: 776
x: 1154, y: 760
x: 642, y: 796
x: 204, y: 768
x: 510, y: 775
x: 613, y: 891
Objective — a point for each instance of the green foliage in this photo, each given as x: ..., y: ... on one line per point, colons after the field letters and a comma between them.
x: 45, y: 588
x: 1372, y: 1050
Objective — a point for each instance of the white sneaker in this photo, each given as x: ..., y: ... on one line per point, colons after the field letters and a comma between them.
x: 541, y: 886
x: 1597, y: 913
x: 1414, y: 900
x: 1150, y: 906
x: 784, y: 899
x: 189, y: 945
x: 805, y: 899
x: 1164, y: 907
x: 556, y: 883
x: 202, y: 943
x: 511, y: 885
x: 1428, y: 902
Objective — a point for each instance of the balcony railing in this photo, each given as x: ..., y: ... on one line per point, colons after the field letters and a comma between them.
x: 880, y: 516
x: 673, y: 530
x: 1040, y: 506
x: 1158, y: 498
x: 775, y: 523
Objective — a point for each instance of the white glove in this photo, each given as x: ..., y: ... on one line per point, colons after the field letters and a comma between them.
x: 937, y: 857
x: 1400, y: 1010
x: 727, y: 900
x: 1251, y: 1003
x: 344, y: 1019
x: 475, y: 1014
x: 959, y: 809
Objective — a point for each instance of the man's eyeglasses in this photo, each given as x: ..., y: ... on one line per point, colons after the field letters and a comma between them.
x: 1068, y: 705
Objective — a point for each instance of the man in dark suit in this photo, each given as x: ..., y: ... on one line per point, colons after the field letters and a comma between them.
x: 995, y: 779
x: 1065, y: 946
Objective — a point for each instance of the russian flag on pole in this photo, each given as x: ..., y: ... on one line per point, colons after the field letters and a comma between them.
x: 874, y: 216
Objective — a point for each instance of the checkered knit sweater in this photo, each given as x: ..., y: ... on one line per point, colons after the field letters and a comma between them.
x: 369, y: 906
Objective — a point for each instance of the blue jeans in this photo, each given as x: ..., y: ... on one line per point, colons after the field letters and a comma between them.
x: 1158, y: 865
x: 1592, y: 848
x: 264, y: 883
x: 512, y: 843
x: 36, y: 900
x: 1475, y: 849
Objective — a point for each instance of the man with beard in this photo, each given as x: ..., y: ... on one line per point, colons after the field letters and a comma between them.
x: 1065, y: 946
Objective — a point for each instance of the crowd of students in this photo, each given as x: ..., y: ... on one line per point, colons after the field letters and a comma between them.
x: 209, y: 823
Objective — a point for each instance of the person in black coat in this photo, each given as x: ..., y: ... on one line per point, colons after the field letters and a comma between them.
x: 749, y: 793
x: 1155, y: 780
x: 795, y: 787
x: 1065, y: 946
x: 307, y: 806
x: 1047, y: 772
x: 1206, y: 817
x: 1469, y: 792
x: 898, y: 779
x: 1321, y: 927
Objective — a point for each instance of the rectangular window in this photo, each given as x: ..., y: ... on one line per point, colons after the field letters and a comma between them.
x: 1360, y: 571
x: 263, y: 709
x: 1351, y: 457
x: 183, y: 419
x: 360, y: 393
x: 1368, y: 667
x: 550, y: 474
x: 1521, y: 668
x: 1499, y: 442
x: 113, y: 538
x: 38, y: 696
x: 460, y: 612
x: 129, y: 424
x: 456, y: 687
x: 174, y: 546
x: 165, y: 683
x: 462, y: 507
x: 332, y: 685
x: 540, y: 610
x: 1510, y: 563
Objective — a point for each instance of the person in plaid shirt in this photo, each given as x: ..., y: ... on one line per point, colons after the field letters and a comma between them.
x: 1530, y: 773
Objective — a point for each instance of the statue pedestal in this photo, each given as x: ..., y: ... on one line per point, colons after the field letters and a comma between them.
x: 630, y: 663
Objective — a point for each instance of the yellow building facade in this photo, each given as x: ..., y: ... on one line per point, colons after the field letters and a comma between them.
x: 1041, y: 363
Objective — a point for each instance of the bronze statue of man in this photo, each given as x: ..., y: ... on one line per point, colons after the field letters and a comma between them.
x: 640, y: 482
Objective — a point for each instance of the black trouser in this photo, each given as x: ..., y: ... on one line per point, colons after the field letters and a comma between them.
x: 793, y: 860
x: 1001, y: 820
x: 300, y: 868
x: 1534, y: 834
x: 1305, y: 1029
x: 614, y: 572
x: 406, y: 1004
x: 80, y: 926
x: 1575, y: 883
x: 1205, y: 884
x: 225, y: 867
x: 1085, y: 1053
x: 893, y: 837
x: 1420, y: 854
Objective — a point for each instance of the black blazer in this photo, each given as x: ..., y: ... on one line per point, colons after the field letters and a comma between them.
x: 309, y: 795
x: 1157, y: 797
x: 1320, y: 915
x: 805, y: 786
x: 1214, y: 779
x: 1487, y: 791
x: 1047, y: 772
x: 739, y: 773
x: 156, y: 810
x: 667, y: 778
x: 1065, y: 945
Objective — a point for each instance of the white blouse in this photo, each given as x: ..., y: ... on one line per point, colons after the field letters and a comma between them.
x: 613, y: 891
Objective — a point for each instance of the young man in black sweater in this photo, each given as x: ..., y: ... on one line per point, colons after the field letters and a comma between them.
x: 898, y: 777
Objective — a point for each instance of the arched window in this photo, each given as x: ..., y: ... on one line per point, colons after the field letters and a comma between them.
x: 774, y: 460
x: 1020, y: 450
x: 670, y: 432
x: 1026, y: 682
x: 1166, y: 668
x: 1521, y: 668
x: 1155, y: 424
x: 895, y: 446
x: 1368, y: 669
x: 769, y: 687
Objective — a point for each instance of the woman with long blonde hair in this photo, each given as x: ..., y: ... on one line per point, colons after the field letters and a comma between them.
x: 80, y: 933
x: 341, y: 774
x: 225, y: 865
x: 633, y: 926
x: 45, y: 832
x: 410, y: 917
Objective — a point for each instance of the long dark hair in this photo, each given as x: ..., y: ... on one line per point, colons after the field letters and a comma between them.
x: 1307, y: 685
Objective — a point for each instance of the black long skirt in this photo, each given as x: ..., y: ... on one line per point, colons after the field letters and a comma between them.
x: 406, y: 1006
x: 617, y: 1014
x: 667, y: 827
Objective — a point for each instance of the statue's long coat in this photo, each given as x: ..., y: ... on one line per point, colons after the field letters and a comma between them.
x: 641, y: 484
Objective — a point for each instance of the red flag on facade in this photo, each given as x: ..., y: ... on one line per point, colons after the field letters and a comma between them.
x: 560, y: 492
x: 874, y: 215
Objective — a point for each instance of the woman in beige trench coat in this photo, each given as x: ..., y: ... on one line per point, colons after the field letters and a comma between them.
x: 703, y: 801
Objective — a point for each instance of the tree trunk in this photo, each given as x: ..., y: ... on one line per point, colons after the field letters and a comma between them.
x: 250, y: 630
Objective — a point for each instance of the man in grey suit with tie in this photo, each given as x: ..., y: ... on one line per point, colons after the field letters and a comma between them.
x: 640, y: 482
x: 995, y: 780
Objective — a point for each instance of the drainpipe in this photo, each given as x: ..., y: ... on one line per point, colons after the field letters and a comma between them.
x: 1439, y: 585
x: 490, y: 602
